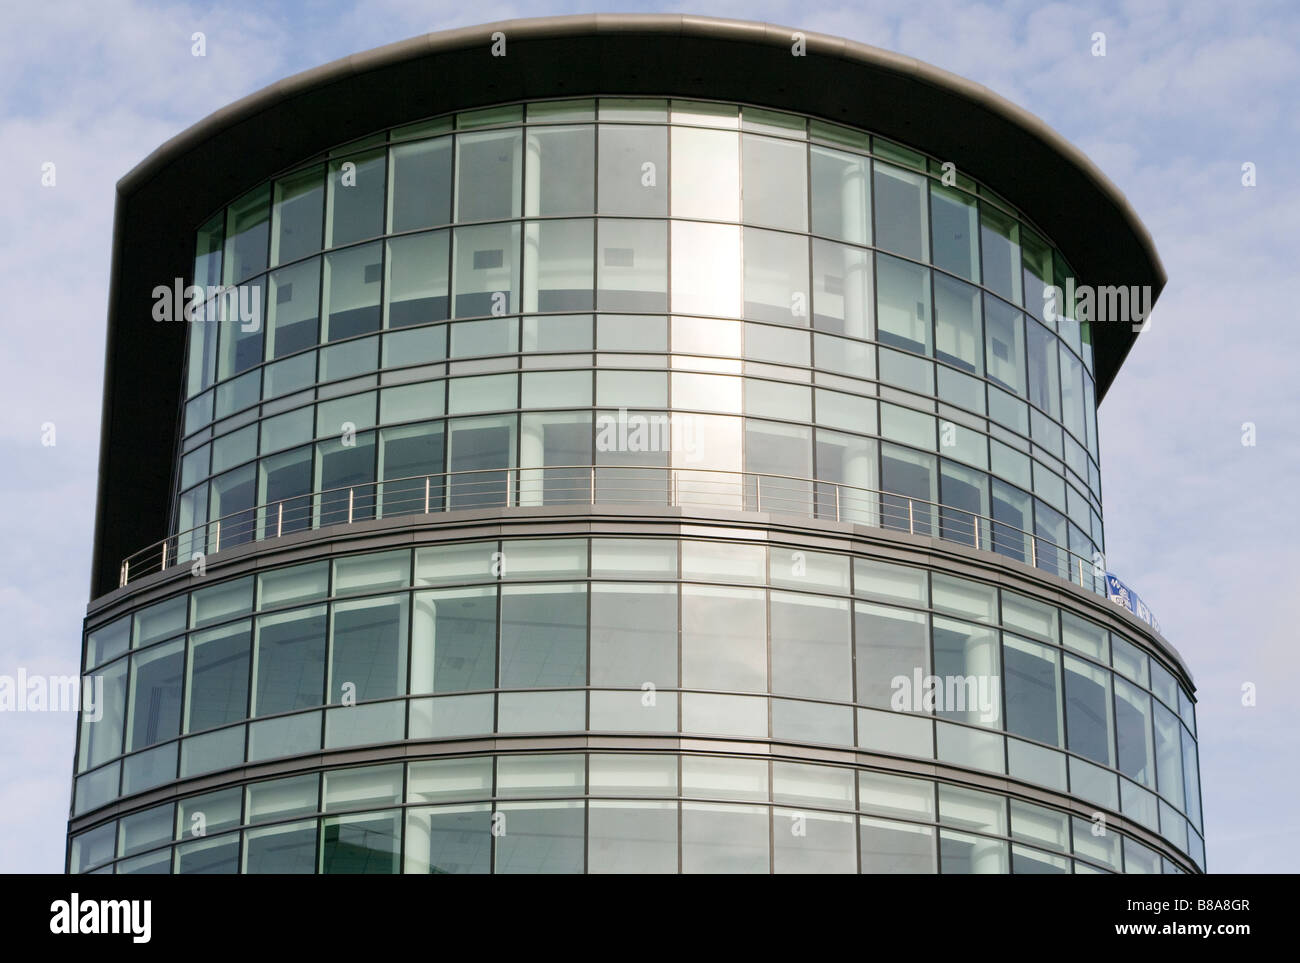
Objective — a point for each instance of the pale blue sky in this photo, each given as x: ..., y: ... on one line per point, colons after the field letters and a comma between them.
x: 1198, y: 524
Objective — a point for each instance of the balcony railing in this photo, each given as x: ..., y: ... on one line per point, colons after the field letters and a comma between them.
x: 613, y: 485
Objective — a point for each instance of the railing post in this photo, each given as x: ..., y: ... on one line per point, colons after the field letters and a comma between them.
x: 279, y: 521
x: 426, y: 494
x: 672, y: 489
x: 349, y: 506
x: 1033, y: 550
x: 126, y: 568
x: 758, y: 493
x: 837, y: 503
x: 911, y: 522
x: 216, y: 546
x: 976, y: 520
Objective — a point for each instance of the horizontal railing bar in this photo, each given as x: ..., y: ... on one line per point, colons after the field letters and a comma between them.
x: 573, y: 484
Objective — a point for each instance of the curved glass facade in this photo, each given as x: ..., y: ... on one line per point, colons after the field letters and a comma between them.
x: 485, y: 291
x: 642, y: 637
x: 776, y: 325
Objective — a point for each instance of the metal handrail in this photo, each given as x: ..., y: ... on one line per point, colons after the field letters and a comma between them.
x: 611, y: 484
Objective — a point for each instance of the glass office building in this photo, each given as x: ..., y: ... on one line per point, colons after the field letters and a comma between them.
x: 606, y: 469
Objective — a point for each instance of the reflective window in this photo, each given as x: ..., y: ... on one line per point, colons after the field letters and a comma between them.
x: 217, y: 685
x: 724, y: 636
x: 560, y: 171
x: 488, y: 175
x: 543, y: 635
x: 774, y: 179
x: 420, y: 194
x: 417, y: 279
x: 902, y: 215
x: 841, y: 195
x: 289, y: 666
x: 355, y: 208
x: 1088, y: 718
x: 633, y: 170
x: 955, y: 221
x: 903, y: 304
x: 297, y: 215
x: 706, y: 174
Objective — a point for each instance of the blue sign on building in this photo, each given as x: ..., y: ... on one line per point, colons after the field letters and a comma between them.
x: 1121, y: 594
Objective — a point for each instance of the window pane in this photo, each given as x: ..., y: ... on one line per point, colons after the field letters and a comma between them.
x: 634, y: 635
x: 1004, y: 334
x: 1087, y: 711
x: 488, y: 166
x: 301, y: 583
x: 892, y: 847
x: 543, y: 635
x: 289, y: 849
x: 706, y: 174
x: 966, y: 662
x: 956, y: 228
x: 718, y: 838
x: 890, y: 643
x: 356, y: 198
x: 289, y: 672
x: 840, y: 196
x: 247, y: 235
x: 776, y: 277
x: 1037, y: 271
x: 561, y: 171
x: 352, y: 283
x: 775, y: 182
x: 959, y: 339
x: 347, y: 474
x: 284, y: 488
x: 487, y: 270
x: 706, y: 269
x: 842, y: 296
x: 366, y: 843
x: 1136, y: 753
x: 965, y: 497
x: 902, y: 218
x: 632, y: 837
x: 724, y: 636
x: 297, y: 215
x: 454, y: 640
x: 911, y: 475
x: 155, y: 704
x: 411, y: 455
x: 903, y: 304
x: 449, y: 839
x: 1044, y: 380
x: 215, y: 856
x: 632, y: 265
x: 633, y: 170
x: 1033, y: 690
x: 542, y: 837
x: 1169, y: 763
x: 368, y: 649
x: 476, y: 446
x: 240, y: 312
x: 811, y: 653
x: 813, y: 842
x: 420, y: 195
x: 1000, y: 243
x: 417, y: 278
x: 557, y: 266
x: 217, y: 688
x: 960, y: 854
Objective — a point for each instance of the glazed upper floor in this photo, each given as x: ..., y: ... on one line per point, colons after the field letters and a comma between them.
x: 1006, y: 152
